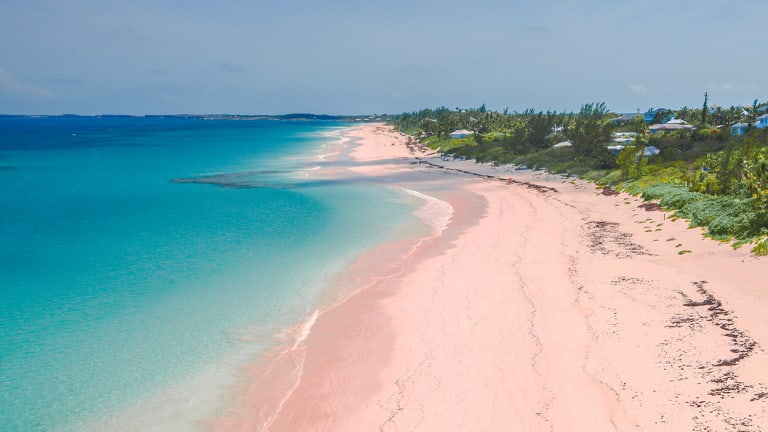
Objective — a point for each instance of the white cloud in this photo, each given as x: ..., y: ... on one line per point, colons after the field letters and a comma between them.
x: 11, y: 85
x: 638, y: 89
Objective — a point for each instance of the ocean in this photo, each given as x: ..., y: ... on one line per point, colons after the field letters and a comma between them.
x: 145, y: 261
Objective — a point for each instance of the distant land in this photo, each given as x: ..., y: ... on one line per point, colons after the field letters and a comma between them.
x: 294, y: 116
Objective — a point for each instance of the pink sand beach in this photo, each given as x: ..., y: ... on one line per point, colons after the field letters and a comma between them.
x: 536, y: 303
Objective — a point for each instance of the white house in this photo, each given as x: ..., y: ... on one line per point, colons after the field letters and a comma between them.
x: 461, y: 133
x: 669, y: 127
x: 625, y: 138
x: 677, y: 121
x: 651, y: 151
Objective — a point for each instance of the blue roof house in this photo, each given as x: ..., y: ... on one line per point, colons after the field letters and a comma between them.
x: 762, y: 121
x: 664, y: 114
x: 739, y: 129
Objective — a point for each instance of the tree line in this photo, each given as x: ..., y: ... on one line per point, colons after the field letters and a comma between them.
x: 705, y: 161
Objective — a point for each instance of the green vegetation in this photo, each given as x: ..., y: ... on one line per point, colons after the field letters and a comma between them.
x: 703, y: 174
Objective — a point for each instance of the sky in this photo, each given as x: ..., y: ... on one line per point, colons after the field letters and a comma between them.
x: 363, y: 57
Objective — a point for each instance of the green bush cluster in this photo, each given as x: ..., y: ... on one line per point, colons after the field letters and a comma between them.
x: 671, y: 196
x: 725, y: 217
x: 761, y: 246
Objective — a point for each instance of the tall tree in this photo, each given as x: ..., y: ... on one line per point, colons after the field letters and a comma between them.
x: 704, y: 111
x: 589, y: 134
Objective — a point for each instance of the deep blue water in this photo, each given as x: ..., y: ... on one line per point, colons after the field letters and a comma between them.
x: 117, y: 283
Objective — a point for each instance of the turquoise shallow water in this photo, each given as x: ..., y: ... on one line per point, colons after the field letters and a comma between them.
x: 116, y: 282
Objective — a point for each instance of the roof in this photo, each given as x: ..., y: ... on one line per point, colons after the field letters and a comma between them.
x: 651, y: 151
x: 651, y: 114
x: 739, y: 125
x: 670, y: 126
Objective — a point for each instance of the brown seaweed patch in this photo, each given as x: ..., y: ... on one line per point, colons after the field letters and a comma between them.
x: 607, y: 191
x: 650, y: 206
x: 743, y: 344
x: 604, y: 238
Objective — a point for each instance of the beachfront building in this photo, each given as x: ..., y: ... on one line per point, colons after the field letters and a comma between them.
x: 739, y: 129
x: 625, y: 119
x: 669, y: 127
x: 662, y: 115
x: 762, y: 121
x: 623, y: 138
x: 651, y: 151
x: 461, y: 133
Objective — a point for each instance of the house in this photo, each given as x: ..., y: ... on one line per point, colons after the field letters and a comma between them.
x: 762, y: 121
x: 625, y: 138
x: 739, y: 129
x: 615, y: 149
x: 461, y: 133
x: 624, y: 134
x: 651, y: 115
x: 651, y: 151
x: 625, y: 119
x: 667, y: 127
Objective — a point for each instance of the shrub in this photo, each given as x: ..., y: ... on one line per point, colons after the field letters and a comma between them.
x: 671, y: 196
x: 761, y: 246
x: 725, y: 217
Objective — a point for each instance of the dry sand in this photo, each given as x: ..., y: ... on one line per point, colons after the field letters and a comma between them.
x: 544, y: 305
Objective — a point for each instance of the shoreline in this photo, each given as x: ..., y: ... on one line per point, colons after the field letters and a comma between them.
x: 544, y: 305
x: 371, y: 275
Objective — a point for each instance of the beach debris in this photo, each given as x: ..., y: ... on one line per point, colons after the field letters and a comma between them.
x: 604, y: 238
